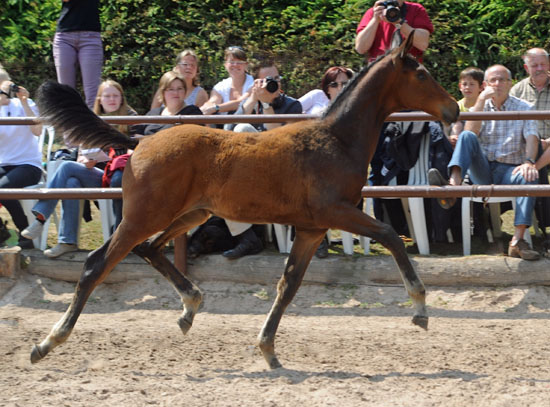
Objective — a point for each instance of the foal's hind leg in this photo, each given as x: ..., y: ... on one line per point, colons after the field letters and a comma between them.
x: 152, y: 251
x: 353, y: 220
x: 303, y: 248
x: 96, y: 268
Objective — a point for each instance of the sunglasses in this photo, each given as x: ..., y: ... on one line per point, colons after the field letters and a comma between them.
x: 5, y: 93
x: 337, y: 84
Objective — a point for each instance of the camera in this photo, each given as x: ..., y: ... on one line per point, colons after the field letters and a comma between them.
x: 14, y: 89
x: 271, y: 84
x: 392, y: 12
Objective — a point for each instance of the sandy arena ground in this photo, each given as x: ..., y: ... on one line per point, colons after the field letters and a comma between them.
x: 340, y: 346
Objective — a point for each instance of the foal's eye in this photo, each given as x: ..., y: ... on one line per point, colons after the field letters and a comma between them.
x: 421, y: 75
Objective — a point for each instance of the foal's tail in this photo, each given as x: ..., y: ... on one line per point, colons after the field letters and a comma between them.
x: 62, y: 107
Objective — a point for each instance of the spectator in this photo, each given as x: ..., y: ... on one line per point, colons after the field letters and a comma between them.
x: 172, y: 91
x: 266, y: 97
x: 332, y: 82
x: 498, y: 152
x: 376, y: 34
x: 20, y: 154
x: 78, y: 39
x: 229, y: 93
x: 535, y: 88
x: 110, y: 101
x: 470, y: 84
x: 187, y: 65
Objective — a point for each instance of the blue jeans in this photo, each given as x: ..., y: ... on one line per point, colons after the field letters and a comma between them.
x: 469, y: 156
x: 69, y: 174
x: 116, y: 182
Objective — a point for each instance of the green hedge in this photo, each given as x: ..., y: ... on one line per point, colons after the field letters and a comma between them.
x: 142, y: 37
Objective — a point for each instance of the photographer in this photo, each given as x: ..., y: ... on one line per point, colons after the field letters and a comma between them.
x: 388, y: 23
x: 266, y: 97
x: 20, y: 157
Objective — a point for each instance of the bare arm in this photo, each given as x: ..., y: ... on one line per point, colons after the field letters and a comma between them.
x: 475, y: 125
x: 421, y: 38
x: 528, y: 170
x: 23, y: 96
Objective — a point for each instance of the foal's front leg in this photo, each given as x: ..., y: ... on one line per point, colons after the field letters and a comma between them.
x: 353, y: 220
x: 303, y: 248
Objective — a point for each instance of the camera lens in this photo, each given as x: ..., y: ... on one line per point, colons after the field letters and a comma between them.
x: 392, y: 14
x: 271, y: 85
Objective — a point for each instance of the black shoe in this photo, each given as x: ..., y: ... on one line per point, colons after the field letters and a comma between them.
x: 25, y: 243
x: 4, y: 232
x: 435, y: 178
x: 249, y: 243
x: 193, y: 251
x: 322, y: 250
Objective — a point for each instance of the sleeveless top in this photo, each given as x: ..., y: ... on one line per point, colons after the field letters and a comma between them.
x: 192, y: 98
x: 224, y: 88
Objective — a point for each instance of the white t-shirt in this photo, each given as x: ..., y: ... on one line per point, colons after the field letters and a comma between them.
x: 314, y: 102
x: 224, y: 88
x: 18, y: 145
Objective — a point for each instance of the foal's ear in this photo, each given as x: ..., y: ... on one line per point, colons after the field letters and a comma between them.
x: 407, y: 45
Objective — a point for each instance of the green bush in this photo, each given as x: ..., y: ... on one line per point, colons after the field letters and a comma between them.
x: 141, y: 38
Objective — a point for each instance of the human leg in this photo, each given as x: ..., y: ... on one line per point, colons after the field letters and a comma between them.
x: 249, y: 242
x: 18, y: 176
x: 469, y: 157
x: 90, y: 58
x: 65, y: 56
x: 116, y: 182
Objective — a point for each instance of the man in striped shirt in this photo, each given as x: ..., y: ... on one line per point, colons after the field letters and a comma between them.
x: 499, y: 152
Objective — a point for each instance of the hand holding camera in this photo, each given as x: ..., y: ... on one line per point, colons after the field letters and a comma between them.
x: 388, y: 11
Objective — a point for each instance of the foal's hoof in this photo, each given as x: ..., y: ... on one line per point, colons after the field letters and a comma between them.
x: 421, y: 321
x: 184, y: 325
x: 274, y: 363
x: 36, y: 356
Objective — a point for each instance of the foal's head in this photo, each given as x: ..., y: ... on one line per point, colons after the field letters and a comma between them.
x: 414, y: 88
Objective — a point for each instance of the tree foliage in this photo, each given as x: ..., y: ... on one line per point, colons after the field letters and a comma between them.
x: 142, y: 37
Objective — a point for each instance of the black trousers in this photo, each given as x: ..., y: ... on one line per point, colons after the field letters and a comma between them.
x: 18, y: 176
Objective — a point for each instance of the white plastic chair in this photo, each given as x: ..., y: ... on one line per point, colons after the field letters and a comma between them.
x: 494, y: 208
x: 27, y: 204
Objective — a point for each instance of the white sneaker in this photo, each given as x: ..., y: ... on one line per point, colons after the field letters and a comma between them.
x: 34, y: 230
x: 59, y: 249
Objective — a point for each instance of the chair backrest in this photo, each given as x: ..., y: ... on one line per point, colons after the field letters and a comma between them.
x: 418, y: 175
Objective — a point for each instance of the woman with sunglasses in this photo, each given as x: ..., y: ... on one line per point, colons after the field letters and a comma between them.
x: 20, y: 154
x: 228, y: 94
x: 332, y: 83
x: 187, y: 65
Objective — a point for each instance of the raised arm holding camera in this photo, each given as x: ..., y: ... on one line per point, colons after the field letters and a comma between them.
x: 388, y: 23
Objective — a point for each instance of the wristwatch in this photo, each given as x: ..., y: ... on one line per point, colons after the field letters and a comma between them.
x: 530, y: 160
x: 217, y: 108
x: 266, y: 105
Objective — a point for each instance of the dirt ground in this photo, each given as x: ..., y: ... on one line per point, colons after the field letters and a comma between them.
x: 339, y: 345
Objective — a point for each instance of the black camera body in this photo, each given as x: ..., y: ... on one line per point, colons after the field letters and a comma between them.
x: 271, y: 85
x: 392, y: 12
x: 14, y: 89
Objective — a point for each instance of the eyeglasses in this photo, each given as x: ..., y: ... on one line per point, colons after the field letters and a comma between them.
x: 186, y: 65
x: 235, y: 47
x: 496, y: 79
x: 4, y: 93
x: 337, y: 84
x: 237, y: 63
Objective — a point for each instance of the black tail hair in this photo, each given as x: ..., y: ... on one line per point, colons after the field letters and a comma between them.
x: 63, y: 108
